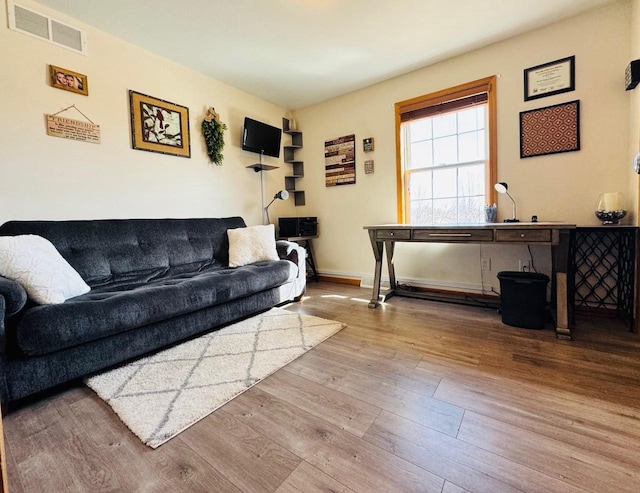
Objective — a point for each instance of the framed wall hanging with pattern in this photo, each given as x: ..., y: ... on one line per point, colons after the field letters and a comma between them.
x: 159, y: 126
x: 550, y: 130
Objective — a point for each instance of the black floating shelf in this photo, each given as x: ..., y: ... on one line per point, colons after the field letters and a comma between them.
x: 261, y: 167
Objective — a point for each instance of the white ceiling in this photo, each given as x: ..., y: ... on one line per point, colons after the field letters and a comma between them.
x: 299, y: 52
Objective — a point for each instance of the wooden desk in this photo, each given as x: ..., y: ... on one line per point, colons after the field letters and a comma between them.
x: 555, y: 234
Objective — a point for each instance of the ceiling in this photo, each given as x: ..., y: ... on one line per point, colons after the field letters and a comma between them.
x: 299, y: 52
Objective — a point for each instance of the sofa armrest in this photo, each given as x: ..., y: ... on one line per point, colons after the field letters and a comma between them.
x: 289, y: 250
x: 296, y: 254
x: 13, y: 298
x: 292, y: 251
x: 14, y: 295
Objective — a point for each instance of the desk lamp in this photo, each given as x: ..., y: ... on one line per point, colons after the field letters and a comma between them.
x: 282, y: 195
x: 502, y: 187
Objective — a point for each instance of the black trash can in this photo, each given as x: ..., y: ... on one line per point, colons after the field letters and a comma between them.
x: 523, y: 299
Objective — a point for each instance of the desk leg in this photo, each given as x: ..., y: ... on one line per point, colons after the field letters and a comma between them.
x: 378, y: 248
x: 561, y: 259
x: 390, y: 246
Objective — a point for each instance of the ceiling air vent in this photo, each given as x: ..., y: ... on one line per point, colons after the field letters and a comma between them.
x: 40, y: 26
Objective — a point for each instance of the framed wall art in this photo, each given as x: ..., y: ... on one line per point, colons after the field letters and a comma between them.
x: 62, y: 78
x: 550, y: 130
x: 340, y: 161
x: 550, y: 78
x: 159, y: 126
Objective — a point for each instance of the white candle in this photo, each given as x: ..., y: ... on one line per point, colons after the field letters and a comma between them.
x: 611, y: 201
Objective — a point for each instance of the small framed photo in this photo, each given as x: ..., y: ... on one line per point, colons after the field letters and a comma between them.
x: 159, y: 126
x: 367, y: 144
x: 368, y: 167
x: 62, y: 78
x: 550, y: 78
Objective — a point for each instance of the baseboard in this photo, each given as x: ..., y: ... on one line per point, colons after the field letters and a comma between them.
x: 422, y: 284
x: 418, y: 285
x: 350, y: 278
x: 339, y: 280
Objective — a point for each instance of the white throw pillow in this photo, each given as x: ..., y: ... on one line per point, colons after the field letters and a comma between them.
x: 252, y: 244
x: 34, y: 262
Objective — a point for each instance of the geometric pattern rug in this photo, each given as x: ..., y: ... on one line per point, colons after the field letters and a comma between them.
x: 159, y: 396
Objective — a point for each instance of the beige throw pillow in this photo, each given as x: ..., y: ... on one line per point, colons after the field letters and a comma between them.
x: 252, y: 244
x: 45, y: 275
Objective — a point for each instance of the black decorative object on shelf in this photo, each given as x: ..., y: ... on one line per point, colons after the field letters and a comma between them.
x: 632, y: 75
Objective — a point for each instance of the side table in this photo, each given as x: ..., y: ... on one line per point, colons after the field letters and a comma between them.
x: 306, y: 243
x: 603, y: 269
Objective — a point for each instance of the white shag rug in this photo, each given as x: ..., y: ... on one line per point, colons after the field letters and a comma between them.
x: 161, y: 395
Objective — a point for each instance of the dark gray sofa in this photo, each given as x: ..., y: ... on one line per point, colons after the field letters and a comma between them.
x: 153, y: 282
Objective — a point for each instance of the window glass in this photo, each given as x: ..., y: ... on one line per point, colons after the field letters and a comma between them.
x: 471, y: 180
x: 421, y: 154
x: 444, y: 183
x: 420, y: 129
x: 468, y: 147
x: 444, y: 125
x: 420, y: 186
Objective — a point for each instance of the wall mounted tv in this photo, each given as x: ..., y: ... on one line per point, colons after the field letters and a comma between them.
x: 261, y: 138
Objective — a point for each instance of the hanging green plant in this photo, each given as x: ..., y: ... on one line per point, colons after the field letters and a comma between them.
x: 213, y: 132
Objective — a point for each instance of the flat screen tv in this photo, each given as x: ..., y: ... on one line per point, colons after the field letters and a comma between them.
x: 261, y: 138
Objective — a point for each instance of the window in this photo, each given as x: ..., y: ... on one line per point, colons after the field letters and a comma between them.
x: 446, y: 155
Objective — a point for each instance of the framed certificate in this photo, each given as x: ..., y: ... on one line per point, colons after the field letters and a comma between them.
x: 550, y: 78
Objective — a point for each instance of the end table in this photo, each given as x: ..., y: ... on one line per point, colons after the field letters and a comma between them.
x: 306, y: 243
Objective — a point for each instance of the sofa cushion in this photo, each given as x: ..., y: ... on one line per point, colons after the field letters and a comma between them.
x: 34, y: 263
x: 252, y: 244
x: 121, y: 250
x: 115, y: 309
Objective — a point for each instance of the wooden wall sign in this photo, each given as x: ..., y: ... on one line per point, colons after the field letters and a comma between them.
x: 68, y: 128
x: 340, y: 161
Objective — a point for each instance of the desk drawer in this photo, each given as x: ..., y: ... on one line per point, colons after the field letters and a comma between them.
x: 524, y: 235
x: 449, y: 235
x: 393, y: 234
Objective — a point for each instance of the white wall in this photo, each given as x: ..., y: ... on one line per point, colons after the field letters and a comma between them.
x: 556, y: 187
x: 43, y: 177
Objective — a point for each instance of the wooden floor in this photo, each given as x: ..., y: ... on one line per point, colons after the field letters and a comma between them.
x: 412, y: 396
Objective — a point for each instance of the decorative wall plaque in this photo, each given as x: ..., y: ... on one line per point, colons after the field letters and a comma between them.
x: 550, y: 130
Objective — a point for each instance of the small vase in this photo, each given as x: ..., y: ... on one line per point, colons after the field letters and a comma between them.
x: 490, y: 213
x: 610, y: 208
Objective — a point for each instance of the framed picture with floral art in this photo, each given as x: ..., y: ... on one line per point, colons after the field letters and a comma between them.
x: 159, y: 126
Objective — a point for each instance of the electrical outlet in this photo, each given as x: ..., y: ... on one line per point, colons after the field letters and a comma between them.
x: 524, y: 265
x: 486, y: 264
